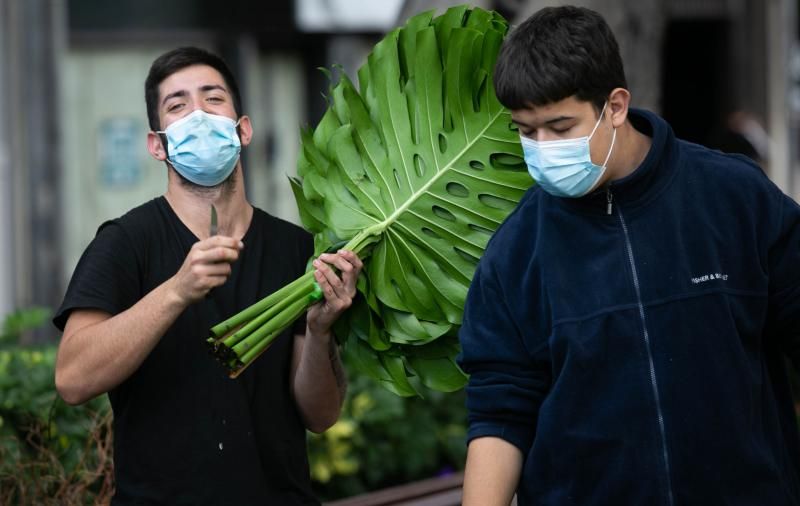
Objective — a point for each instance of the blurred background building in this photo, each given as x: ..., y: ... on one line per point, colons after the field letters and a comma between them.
x: 725, y: 73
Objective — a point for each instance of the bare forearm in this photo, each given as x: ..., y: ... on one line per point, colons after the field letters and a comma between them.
x: 492, y: 472
x: 96, y: 358
x: 319, y: 383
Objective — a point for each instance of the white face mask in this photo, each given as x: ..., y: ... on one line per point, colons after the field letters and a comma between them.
x: 564, y: 168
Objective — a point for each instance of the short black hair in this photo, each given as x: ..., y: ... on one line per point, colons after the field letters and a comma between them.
x: 178, y: 59
x: 556, y: 53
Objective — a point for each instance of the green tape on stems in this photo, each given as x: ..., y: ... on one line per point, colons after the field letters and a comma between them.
x: 315, y: 294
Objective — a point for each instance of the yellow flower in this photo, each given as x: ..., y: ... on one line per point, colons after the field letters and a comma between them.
x: 345, y: 466
x: 341, y: 430
x: 320, y: 472
x: 362, y: 403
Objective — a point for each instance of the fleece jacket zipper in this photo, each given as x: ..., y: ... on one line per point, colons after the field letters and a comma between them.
x: 646, y: 335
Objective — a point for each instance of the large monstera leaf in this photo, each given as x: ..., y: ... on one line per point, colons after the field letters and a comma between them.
x: 423, y: 162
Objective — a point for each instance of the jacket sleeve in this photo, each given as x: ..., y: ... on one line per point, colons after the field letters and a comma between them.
x: 784, y: 280
x: 507, y: 381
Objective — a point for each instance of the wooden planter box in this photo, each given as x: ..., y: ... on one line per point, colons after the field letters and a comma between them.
x: 443, y: 491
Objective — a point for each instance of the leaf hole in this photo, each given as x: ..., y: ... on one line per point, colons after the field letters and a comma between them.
x: 442, y: 143
x: 443, y: 213
x: 504, y: 161
x: 457, y: 190
x: 447, y: 124
x: 466, y: 256
x: 475, y: 164
x: 478, y: 228
x: 419, y: 165
x: 396, y: 178
x: 430, y: 233
x: 513, y: 126
x: 476, y: 98
x: 496, y: 202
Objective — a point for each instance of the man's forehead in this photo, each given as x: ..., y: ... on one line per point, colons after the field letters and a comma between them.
x: 195, y: 77
x: 563, y: 109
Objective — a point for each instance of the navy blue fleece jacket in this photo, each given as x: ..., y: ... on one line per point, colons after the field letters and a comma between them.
x: 635, y: 352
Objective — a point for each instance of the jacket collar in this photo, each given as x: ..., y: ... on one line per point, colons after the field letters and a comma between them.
x: 644, y: 183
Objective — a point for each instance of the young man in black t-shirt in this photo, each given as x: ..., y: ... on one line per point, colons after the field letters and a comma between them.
x: 140, y: 303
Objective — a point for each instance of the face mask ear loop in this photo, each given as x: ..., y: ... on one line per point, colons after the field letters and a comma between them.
x: 164, y: 142
x: 598, y: 120
x: 610, y: 148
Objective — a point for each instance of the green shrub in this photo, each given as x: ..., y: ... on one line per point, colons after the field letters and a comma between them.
x: 383, y: 440
x: 50, y: 453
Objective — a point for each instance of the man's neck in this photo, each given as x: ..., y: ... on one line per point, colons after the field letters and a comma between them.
x: 193, y: 206
x: 633, y: 149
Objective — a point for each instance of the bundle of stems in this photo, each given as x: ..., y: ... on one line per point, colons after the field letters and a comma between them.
x: 239, y: 340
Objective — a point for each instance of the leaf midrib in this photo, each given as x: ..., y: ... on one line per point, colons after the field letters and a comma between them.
x: 424, y: 188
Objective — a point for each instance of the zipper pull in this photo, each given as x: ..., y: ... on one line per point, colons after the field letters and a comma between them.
x: 610, y: 201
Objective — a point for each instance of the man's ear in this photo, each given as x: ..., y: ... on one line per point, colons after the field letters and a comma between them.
x: 155, y: 146
x: 245, y: 130
x: 618, y: 102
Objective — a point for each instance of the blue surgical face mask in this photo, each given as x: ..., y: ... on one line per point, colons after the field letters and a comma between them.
x: 564, y: 168
x: 202, y: 147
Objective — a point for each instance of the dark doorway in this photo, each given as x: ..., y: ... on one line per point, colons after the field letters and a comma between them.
x: 696, y: 82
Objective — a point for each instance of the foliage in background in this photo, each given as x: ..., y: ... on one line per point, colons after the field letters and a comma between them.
x: 383, y: 440
x: 17, y: 323
x: 50, y: 453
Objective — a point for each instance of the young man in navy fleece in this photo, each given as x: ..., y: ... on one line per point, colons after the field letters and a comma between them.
x: 627, y: 329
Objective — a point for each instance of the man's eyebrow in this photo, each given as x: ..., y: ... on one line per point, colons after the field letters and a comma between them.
x: 181, y: 93
x: 205, y: 88
x: 548, y: 122
x: 210, y: 87
x: 556, y: 120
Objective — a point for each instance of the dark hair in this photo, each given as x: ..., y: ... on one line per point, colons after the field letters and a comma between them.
x: 178, y: 59
x: 556, y: 53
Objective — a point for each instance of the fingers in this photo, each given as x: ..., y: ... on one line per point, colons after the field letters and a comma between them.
x: 217, y: 255
x: 342, y: 286
x: 217, y: 249
x: 207, y: 266
x: 330, y: 284
x: 346, y: 261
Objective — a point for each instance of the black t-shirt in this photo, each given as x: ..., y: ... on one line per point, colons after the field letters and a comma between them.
x: 184, y: 432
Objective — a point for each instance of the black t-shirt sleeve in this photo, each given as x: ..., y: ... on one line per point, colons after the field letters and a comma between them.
x: 304, y: 250
x: 106, y: 278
